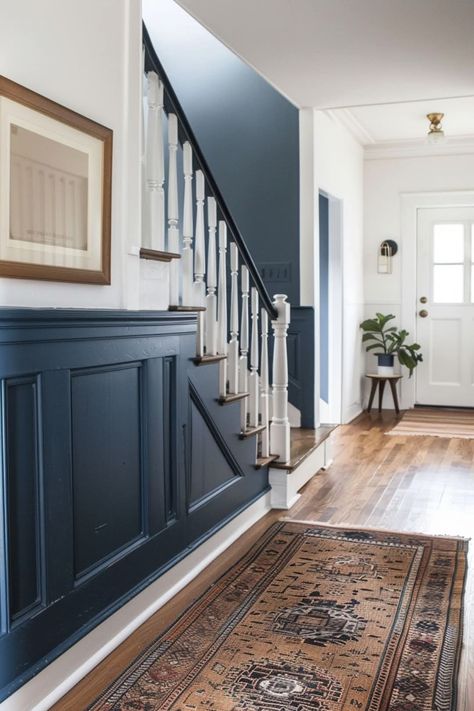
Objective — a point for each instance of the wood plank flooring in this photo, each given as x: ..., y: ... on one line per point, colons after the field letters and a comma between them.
x: 420, y: 484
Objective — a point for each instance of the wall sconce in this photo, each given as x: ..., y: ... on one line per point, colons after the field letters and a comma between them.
x: 388, y: 248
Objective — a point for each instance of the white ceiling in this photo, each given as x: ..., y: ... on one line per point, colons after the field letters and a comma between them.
x: 407, y: 121
x: 339, y: 53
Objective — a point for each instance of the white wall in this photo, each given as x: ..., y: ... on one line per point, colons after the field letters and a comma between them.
x: 332, y: 161
x: 384, y: 181
x: 87, y: 56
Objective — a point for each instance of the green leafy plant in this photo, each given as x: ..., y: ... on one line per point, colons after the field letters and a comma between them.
x: 386, y: 339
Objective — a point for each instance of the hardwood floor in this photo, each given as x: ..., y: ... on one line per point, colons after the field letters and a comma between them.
x: 419, y: 484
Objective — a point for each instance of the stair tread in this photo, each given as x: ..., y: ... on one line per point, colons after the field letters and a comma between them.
x: 251, y: 431
x: 158, y: 256
x: 265, y: 461
x: 303, y: 441
x: 233, y: 397
x: 186, y: 308
x: 205, y: 359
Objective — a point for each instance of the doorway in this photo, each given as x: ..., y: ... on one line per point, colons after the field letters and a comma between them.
x: 330, y: 308
x: 445, y: 306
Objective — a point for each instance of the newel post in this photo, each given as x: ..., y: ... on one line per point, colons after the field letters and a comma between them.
x: 280, y: 424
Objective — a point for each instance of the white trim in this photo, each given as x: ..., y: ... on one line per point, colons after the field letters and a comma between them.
x: 309, y: 229
x: 286, y: 484
x: 47, y: 687
x: 352, y: 412
x: 410, y: 203
x: 308, y: 210
x: 333, y: 410
x: 353, y: 125
x: 418, y: 147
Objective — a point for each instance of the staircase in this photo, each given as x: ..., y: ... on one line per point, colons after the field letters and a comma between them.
x: 213, y: 274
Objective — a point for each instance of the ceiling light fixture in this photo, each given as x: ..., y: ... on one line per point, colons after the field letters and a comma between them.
x: 436, y: 133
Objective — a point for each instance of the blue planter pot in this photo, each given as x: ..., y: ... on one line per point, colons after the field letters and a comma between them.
x: 385, y: 363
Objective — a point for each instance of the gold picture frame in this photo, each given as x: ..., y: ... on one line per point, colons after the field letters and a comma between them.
x: 55, y: 190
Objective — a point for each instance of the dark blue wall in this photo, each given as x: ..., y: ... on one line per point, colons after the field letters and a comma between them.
x: 324, y: 296
x: 248, y: 133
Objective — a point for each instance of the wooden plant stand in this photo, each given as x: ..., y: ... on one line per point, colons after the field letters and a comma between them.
x: 380, y: 380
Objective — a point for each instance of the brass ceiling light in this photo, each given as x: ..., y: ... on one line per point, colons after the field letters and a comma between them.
x: 436, y: 133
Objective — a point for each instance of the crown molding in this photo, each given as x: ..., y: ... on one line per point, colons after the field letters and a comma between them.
x: 414, y: 148
x: 353, y: 125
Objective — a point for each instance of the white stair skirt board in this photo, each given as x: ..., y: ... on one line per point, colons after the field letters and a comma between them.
x: 294, y: 415
x: 47, y: 687
x: 286, y: 483
x: 154, y: 285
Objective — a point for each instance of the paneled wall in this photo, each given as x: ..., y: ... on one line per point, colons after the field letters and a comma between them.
x: 115, y: 461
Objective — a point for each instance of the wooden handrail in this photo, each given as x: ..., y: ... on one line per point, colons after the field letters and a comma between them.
x: 185, y: 133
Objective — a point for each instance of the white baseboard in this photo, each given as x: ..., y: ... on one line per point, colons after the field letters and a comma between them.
x: 351, y: 413
x: 47, y: 687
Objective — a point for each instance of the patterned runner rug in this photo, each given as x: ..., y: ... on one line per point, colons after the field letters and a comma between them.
x: 314, y: 618
x: 444, y: 422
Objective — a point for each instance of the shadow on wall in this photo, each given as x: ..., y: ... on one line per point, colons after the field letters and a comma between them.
x: 248, y: 133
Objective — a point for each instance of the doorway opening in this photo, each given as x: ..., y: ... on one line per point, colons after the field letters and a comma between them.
x: 330, y: 317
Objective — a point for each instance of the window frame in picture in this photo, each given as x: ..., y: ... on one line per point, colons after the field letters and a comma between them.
x: 23, y: 259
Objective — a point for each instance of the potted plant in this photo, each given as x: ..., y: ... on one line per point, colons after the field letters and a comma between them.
x: 389, y: 342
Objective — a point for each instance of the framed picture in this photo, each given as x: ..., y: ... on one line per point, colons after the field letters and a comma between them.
x: 55, y: 190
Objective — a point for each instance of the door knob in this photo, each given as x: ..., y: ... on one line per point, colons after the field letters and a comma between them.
x: 423, y: 313
x: 423, y: 299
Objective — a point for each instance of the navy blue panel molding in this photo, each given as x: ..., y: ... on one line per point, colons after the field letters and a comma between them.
x: 25, y: 565
x: 301, y: 362
x: 95, y: 494
x: 107, y: 458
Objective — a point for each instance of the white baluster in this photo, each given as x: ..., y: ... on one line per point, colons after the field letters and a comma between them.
x: 155, y: 166
x: 244, y: 344
x: 211, y: 299
x: 201, y: 325
x: 264, y: 387
x: 222, y: 309
x: 199, y: 286
x: 254, y: 394
x: 280, y: 425
x: 233, y: 359
x: 188, y: 229
x: 199, y: 246
x: 173, y: 209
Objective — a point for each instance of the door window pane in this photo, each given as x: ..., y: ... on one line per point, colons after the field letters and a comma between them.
x: 448, y: 283
x: 448, y: 246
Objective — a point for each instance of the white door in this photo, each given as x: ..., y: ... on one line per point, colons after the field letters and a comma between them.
x: 445, y: 306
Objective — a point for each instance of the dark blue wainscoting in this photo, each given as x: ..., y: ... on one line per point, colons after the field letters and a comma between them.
x: 116, y: 460
x: 301, y: 363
